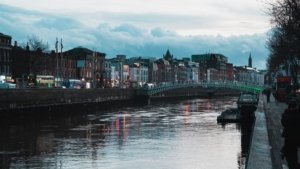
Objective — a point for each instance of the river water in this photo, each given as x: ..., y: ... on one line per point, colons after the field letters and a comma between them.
x: 171, y: 135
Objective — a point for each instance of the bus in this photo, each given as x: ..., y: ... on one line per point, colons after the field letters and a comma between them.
x: 73, y: 84
x: 45, y: 81
x: 283, y: 87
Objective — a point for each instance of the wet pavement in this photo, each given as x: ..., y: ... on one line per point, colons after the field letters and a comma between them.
x: 273, y: 112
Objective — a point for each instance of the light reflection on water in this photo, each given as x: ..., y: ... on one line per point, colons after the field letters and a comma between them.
x: 181, y: 135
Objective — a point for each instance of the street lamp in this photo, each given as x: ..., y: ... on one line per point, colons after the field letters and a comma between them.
x: 56, y: 51
x: 93, y: 68
x: 61, y: 60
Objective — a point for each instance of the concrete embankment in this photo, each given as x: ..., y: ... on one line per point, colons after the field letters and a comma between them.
x: 259, y: 155
x: 32, y: 98
x: 13, y: 99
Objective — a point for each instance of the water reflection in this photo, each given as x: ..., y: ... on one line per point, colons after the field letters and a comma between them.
x: 163, y: 135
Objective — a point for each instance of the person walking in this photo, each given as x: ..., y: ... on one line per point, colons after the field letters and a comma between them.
x: 268, y: 94
x: 290, y: 121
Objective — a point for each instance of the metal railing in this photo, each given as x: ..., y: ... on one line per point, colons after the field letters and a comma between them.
x: 171, y: 86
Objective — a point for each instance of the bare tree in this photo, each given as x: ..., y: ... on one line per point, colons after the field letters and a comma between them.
x: 284, y: 44
x: 36, y: 44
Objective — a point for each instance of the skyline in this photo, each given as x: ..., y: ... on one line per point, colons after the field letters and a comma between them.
x: 137, y: 28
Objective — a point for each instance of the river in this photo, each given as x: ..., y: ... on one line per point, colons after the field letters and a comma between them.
x: 169, y: 135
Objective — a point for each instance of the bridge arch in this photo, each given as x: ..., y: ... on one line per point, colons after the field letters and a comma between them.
x: 150, y: 91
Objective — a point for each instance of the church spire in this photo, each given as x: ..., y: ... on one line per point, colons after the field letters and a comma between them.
x: 250, y: 61
x: 168, y: 55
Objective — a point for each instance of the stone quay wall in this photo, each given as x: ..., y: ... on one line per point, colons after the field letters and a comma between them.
x: 11, y: 99
x: 31, y: 98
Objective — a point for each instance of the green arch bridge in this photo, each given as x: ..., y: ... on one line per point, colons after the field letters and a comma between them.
x: 149, y: 91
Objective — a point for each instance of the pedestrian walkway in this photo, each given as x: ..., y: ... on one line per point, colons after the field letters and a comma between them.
x: 273, y: 112
x: 266, y: 141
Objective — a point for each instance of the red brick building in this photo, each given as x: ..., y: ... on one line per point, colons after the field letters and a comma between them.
x: 5, y: 55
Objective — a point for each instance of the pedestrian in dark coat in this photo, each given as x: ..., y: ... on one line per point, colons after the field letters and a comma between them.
x: 291, y: 122
x: 268, y: 94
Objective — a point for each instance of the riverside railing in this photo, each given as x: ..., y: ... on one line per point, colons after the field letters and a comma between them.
x: 171, y: 86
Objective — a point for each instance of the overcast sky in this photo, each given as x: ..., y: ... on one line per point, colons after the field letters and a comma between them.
x: 144, y: 27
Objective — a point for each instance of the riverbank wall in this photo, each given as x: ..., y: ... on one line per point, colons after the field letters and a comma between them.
x: 21, y: 99
x: 259, y: 154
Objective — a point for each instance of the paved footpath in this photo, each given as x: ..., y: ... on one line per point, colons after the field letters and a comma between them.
x: 266, y: 139
x: 273, y: 112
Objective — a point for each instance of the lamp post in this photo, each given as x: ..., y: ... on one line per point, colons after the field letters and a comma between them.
x: 140, y: 74
x: 121, y: 73
x: 56, y: 72
x: 61, y: 59
x: 93, y: 68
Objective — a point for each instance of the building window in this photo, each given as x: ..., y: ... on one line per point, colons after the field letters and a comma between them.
x: 4, y: 56
x: 4, y: 69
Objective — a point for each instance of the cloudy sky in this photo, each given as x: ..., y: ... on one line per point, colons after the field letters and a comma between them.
x: 144, y: 27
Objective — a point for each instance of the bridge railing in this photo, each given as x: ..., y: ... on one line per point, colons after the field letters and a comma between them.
x: 240, y: 86
x: 171, y: 86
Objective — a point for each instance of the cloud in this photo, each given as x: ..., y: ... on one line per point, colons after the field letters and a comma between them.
x: 185, y: 17
x: 129, y: 29
x: 159, y: 32
x: 58, y: 23
x: 129, y: 38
